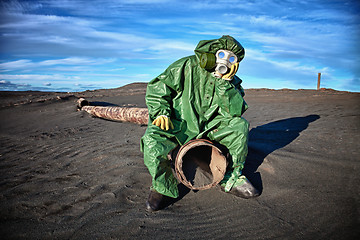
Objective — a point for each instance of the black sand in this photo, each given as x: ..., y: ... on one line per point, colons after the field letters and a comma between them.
x: 65, y: 175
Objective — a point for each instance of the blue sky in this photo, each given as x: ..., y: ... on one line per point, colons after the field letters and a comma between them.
x: 76, y: 45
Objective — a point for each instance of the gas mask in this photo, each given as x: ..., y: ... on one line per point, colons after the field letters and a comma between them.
x: 224, y: 62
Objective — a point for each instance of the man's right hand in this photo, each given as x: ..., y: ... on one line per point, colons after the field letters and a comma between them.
x: 163, y: 122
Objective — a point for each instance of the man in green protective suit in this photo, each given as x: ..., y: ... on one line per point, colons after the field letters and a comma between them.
x: 197, y: 97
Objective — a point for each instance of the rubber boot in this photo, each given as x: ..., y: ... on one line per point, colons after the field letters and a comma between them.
x: 155, y: 201
x: 242, y: 188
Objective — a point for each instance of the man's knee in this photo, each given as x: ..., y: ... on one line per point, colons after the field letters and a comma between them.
x: 236, y: 126
x: 156, y: 142
x: 156, y: 147
x: 239, y: 123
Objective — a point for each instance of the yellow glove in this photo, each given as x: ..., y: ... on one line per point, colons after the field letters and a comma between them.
x: 232, y: 72
x: 163, y: 122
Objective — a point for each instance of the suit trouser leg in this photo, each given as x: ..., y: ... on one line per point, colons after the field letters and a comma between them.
x: 156, y: 144
x: 232, y: 133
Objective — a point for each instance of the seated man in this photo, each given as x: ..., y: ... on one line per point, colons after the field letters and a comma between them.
x: 197, y: 97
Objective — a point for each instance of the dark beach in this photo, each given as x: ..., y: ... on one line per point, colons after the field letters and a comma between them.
x: 66, y: 175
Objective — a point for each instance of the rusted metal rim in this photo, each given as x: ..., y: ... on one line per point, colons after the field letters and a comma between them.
x: 213, y: 160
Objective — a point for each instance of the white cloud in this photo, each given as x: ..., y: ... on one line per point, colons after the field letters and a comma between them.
x: 164, y: 45
x: 295, y: 67
x: 9, y: 86
x: 37, y: 77
x: 18, y: 64
x: 77, y: 63
x: 269, y: 21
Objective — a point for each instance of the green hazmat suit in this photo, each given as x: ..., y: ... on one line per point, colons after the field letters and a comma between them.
x: 199, y: 106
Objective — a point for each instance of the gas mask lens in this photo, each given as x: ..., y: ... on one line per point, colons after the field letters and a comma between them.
x: 221, y: 54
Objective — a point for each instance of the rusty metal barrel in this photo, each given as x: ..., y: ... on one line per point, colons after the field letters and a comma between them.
x: 200, y: 164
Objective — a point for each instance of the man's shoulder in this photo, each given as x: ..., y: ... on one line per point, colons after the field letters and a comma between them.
x: 183, y: 61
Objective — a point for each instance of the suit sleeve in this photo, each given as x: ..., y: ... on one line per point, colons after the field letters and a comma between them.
x: 161, y: 91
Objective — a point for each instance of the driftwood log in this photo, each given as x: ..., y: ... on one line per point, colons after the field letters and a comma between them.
x: 123, y: 114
